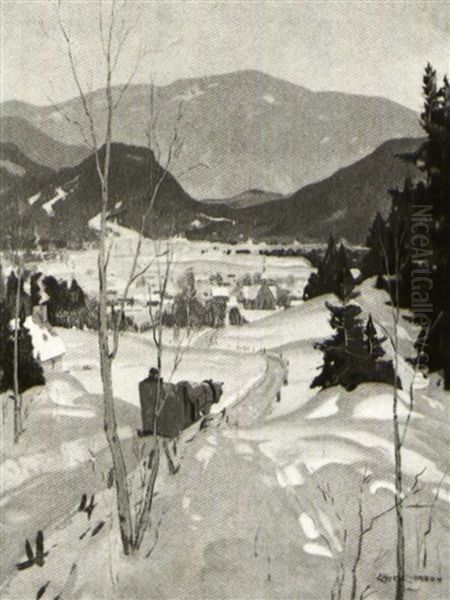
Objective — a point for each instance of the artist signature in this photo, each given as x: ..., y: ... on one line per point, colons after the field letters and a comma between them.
x: 423, y: 578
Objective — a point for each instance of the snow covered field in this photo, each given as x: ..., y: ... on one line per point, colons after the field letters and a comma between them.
x: 265, y: 504
x: 204, y: 258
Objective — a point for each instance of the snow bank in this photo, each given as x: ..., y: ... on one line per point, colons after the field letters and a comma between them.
x: 309, y: 527
x: 317, y: 549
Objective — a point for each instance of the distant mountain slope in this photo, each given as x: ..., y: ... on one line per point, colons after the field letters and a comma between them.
x: 19, y: 175
x: 252, y: 130
x: 20, y: 179
x: 343, y: 204
x: 70, y: 198
x: 38, y: 146
x: 247, y: 198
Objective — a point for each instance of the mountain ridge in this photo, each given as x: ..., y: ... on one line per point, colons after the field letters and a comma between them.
x: 251, y: 129
x: 343, y: 204
x: 38, y: 146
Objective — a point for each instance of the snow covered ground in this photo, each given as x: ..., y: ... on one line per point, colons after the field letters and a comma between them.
x: 267, y: 502
x: 204, y: 258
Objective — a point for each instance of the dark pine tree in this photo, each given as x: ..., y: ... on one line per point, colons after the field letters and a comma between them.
x: 402, y: 262
x: 332, y: 273
x: 434, y: 156
x: 235, y: 316
x: 52, y: 289
x: 5, y: 337
x: 76, y: 295
x: 373, y: 342
x: 373, y: 262
x: 343, y: 284
x: 352, y: 355
x: 2, y: 284
x: 35, y: 289
x: 389, y: 244
x: 29, y: 368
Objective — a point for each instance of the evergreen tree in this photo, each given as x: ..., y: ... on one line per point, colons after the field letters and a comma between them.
x: 434, y: 156
x: 215, y: 312
x: 235, y: 316
x: 352, y: 355
x: 11, y: 289
x: 373, y: 342
x: 35, y: 289
x: 343, y: 278
x: 2, y: 284
x: 398, y: 258
x: 29, y: 369
x: 51, y: 287
x: 332, y: 274
x: 389, y: 245
x: 76, y: 296
x: 373, y: 262
x: 5, y: 337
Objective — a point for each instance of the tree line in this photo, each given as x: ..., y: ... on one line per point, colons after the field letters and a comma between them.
x: 408, y: 253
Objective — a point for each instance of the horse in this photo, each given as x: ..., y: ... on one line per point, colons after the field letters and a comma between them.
x: 174, y: 406
x: 199, y: 397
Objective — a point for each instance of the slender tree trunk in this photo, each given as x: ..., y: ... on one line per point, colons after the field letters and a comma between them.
x: 400, y: 549
x: 110, y: 423
x: 400, y: 586
x: 16, y: 382
x: 144, y: 516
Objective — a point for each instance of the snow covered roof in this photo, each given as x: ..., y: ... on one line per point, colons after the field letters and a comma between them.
x: 47, y: 345
x: 220, y: 291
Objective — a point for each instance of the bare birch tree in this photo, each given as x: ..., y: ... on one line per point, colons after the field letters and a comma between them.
x: 113, y: 35
x: 401, y: 254
x: 16, y: 248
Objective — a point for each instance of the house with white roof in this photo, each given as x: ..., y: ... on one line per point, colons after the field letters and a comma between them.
x: 48, y: 347
x: 220, y: 292
x: 259, y: 297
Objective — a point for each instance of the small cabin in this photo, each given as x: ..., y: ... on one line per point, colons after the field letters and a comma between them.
x: 48, y: 347
x: 220, y: 292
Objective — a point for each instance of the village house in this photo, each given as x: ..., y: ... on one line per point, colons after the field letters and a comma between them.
x: 48, y: 347
x: 220, y: 292
x: 259, y: 297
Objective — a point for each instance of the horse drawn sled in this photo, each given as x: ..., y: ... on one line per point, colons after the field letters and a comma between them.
x: 169, y: 408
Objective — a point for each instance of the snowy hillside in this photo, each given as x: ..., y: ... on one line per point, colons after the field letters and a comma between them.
x: 266, y: 501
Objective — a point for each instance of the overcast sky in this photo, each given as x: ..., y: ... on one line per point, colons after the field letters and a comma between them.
x: 375, y: 47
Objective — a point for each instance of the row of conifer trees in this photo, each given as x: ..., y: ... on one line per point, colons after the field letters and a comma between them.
x: 415, y: 270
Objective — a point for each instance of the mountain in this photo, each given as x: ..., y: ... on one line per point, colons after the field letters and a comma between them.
x: 343, y: 204
x: 16, y: 168
x: 70, y: 198
x: 38, y: 146
x: 21, y: 178
x: 241, y: 131
x: 247, y: 198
